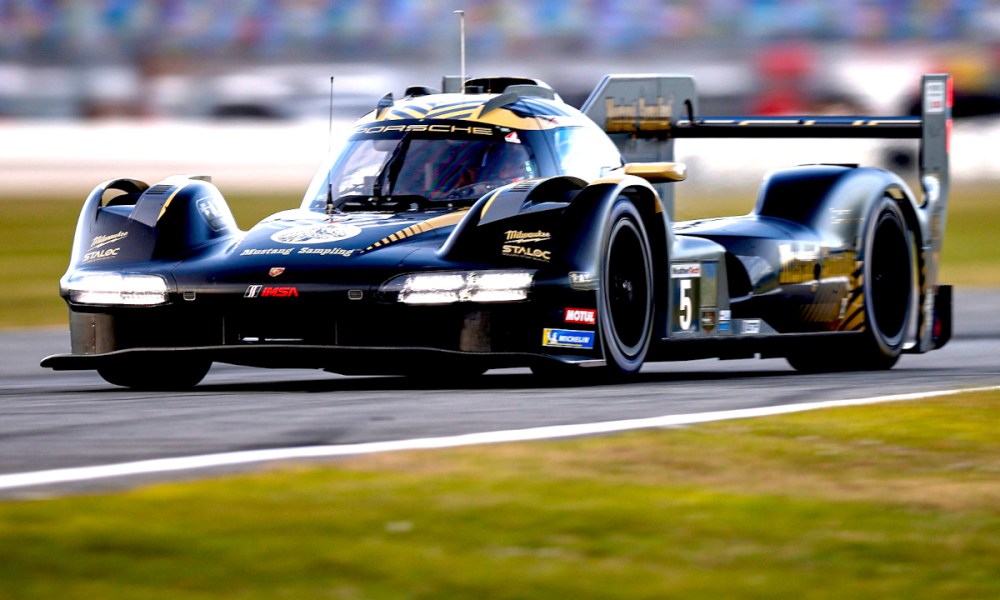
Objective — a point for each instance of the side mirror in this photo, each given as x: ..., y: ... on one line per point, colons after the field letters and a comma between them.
x: 657, y: 172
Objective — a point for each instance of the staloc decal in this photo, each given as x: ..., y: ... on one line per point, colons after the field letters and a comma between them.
x: 101, y: 254
x: 526, y: 252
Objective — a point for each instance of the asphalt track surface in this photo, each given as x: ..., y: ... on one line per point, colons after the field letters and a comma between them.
x: 56, y: 420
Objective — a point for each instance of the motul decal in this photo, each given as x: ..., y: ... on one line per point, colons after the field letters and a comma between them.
x: 586, y: 316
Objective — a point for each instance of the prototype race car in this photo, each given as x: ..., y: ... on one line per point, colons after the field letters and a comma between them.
x: 494, y: 225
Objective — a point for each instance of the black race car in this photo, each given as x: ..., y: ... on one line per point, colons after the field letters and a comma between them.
x: 494, y: 225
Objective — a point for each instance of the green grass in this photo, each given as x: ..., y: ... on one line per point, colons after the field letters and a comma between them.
x: 37, y: 233
x: 886, y: 501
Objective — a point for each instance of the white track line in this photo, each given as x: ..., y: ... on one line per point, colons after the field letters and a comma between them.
x: 163, y: 465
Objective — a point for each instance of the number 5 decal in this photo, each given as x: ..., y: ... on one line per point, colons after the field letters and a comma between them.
x: 686, y: 307
x: 687, y: 284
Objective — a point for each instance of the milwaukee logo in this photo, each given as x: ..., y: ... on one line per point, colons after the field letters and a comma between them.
x: 519, y: 237
x: 271, y: 291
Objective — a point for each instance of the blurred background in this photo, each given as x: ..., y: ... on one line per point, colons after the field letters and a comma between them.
x: 93, y: 89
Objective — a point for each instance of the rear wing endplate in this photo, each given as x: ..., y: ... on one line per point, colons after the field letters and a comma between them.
x: 644, y: 114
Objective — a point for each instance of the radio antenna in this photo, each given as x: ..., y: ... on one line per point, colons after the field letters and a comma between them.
x: 461, y: 37
x: 329, y: 149
x: 329, y: 123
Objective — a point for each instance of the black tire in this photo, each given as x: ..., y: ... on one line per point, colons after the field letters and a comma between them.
x: 625, y: 300
x: 888, y: 300
x: 154, y: 375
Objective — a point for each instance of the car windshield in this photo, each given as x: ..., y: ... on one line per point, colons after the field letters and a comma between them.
x: 418, y: 165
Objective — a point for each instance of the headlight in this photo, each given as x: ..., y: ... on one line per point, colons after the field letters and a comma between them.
x: 116, y: 288
x: 473, y: 286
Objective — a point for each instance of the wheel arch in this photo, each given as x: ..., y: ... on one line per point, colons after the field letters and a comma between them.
x: 588, y: 214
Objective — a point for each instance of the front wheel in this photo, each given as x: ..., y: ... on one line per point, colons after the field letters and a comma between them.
x: 625, y: 301
x: 155, y: 375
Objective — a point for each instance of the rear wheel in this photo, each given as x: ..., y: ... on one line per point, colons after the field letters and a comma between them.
x: 888, y: 297
x: 139, y: 374
x: 625, y: 300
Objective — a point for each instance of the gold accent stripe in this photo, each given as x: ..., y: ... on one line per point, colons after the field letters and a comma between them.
x: 464, y: 113
x: 167, y: 203
x: 489, y: 203
x: 409, y: 111
x: 428, y: 225
x: 449, y: 108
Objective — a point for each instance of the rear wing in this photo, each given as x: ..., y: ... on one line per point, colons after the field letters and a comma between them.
x: 644, y: 114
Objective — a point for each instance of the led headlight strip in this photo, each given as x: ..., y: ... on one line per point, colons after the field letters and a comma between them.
x: 129, y: 289
x: 471, y: 286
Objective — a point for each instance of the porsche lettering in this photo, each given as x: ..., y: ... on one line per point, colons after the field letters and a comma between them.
x: 419, y: 128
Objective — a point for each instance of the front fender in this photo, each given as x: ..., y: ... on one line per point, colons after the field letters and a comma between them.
x: 143, y: 223
x: 556, y: 223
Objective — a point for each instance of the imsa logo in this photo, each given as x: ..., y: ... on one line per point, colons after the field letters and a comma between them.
x: 271, y: 291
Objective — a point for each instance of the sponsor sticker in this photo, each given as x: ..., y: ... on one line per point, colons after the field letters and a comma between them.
x: 515, y: 236
x: 567, y: 338
x: 275, y: 271
x: 271, y: 291
x: 526, y: 252
x: 685, y: 270
x: 104, y: 240
x: 211, y: 213
x: 642, y: 115
x: 934, y: 97
x: 586, y: 316
x: 328, y: 251
x: 101, y: 254
x: 266, y: 252
x: 512, y: 138
x: 317, y: 234
x: 725, y: 316
x: 751, y: 326
x: 708, y: 320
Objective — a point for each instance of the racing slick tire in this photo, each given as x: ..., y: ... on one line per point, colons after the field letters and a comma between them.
x: 625, y: 300
x: 178, y: 374
x: 888, y: 300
